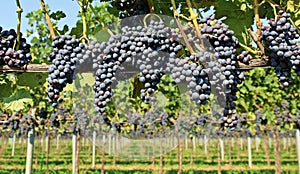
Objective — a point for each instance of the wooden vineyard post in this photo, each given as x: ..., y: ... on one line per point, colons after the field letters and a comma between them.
x: 194, y: 143
x: 298, y: 147
x: 77, y: 150
x: 114, y: 146
x: 94, y: 149
x: 229, y: 152
x: 238, y: 151
x: 57, y: 141
x: 222, y: 149
x: 284, y: 143
x: 186, y: 143
x: 257, y: 142
x: 47, y: 151
x: 241, y: 143
x: 193, y: 151
x: 161, y: 155
x: 30, y: 147
x: 277, y: 151
x: 270, y: 142
x: 109, y: 144
x: 219, y: 156
x: 205, y: 145
x: 179, y: 153
x: 13, y: 145
x: 103, y: 154
x: 153, y: 152
x: 74, y: 143
x: 267, y: 150
x: 249, y: 152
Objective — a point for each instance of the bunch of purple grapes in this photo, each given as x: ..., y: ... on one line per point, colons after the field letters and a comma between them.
x: 130, y: 8
x: 9, y: 53
x: 145, y: 48
x: 280, y: 38
x: 224, y: 66
x: 65, y: 55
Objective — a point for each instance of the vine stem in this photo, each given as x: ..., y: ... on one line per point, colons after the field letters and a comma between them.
x: 147, y: 15
x: 151, y: 6
x: 248, y: 48
x: 193, y: 17
x: 176, y: 15
x: 45, y: 11
x: 19, y: 11
x: 97, y: 17
x: 256, y: 40
x: 257, y: 18
x: 84, y: 37
x: 273, y: 5
x: 257, y: 37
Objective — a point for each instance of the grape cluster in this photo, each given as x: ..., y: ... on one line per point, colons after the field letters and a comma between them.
x: 153, y: 50
x: 42, y: 115
x: 150, y: 73
x: 244, y: 57
x: 54, y: 122
x: 58, y: 117
x: 14, y: 121
x: 26, y: 122
x: 225, y: 75
x: 104, y: 77
x: 133, y: 118
x: 124, y: 4
x: 90, y: 56
x: 280, y: 37
x: 188, y: 70
x: 65, y: 55
x: 186, y: 125
x: 82, y: 119
x: 143, y: 48
x: 201, y: 120
x: 9, y: 54
x: 131, y: 7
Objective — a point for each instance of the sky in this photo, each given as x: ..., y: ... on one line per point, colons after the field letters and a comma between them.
x: 8, y: 15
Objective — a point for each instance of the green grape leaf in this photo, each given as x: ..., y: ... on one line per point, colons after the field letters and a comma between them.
x: 243, y: 7
x: 77, y: 30
x: 32, y: 79
x: 58, y: 15
x: 6, y: 90
x: 290, y: 6
x: 236, y: 18
x: 18, y: 100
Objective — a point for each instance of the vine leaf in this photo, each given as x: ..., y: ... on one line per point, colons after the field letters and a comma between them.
x: 18, y: 100
x: 236, y: 18
x: 290, y: 6
x: 77, y: 30
x: 58, y: 15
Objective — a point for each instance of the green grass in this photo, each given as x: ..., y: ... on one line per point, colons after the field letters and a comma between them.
x: 60, y: 160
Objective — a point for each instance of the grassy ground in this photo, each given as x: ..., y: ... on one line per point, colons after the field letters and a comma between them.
x: 60, y: 160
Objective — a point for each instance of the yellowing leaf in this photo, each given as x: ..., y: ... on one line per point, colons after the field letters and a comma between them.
x: 18, y: 104
x: 290, y: 6
x: 243, y: 7
x: 297, y: 23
